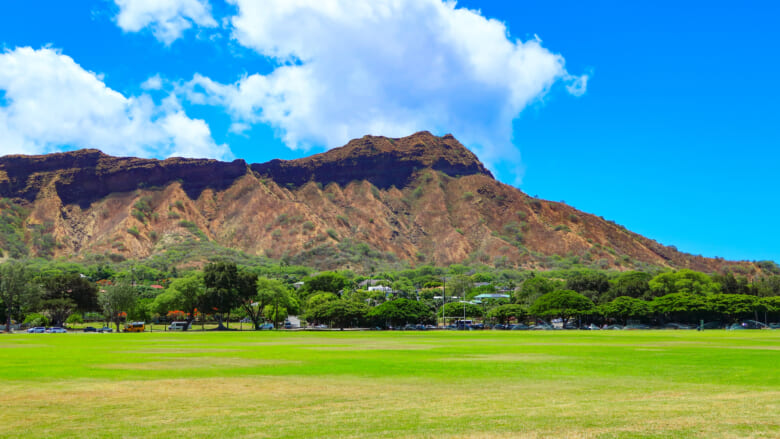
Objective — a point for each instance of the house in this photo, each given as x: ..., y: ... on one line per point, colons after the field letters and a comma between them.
x: 369, y: 282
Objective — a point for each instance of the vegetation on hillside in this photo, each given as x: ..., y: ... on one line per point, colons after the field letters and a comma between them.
x: 263, y: 290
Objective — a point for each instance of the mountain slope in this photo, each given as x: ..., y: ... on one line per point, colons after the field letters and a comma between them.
x: 419, y: 199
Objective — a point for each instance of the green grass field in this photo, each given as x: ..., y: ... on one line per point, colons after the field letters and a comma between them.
x: 392, y: 384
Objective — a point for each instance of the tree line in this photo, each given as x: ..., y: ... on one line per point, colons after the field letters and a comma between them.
x: 57, y: 292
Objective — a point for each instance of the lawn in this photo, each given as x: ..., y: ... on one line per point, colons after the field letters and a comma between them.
x: 484, y: 384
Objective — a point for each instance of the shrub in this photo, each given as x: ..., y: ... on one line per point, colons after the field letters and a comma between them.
x: 133, y: 231
x: 308, y: 225
x: 144, y: 205
x: 74, y: 318
x: 35, y: 319
x: 468, y: 196
x: 173, y: 215
x: 137, y: 214
x: 332, y: 233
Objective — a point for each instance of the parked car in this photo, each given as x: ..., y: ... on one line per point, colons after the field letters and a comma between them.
x: 748, y: 324
x: 615, y: 327
x: 179, y: 326
x: 520, y: 327
x: 267, y: 327
x: 679, y: 326
x: 57, y: 331
x: 636, y: 326
x: 287, y: 324
x: 774, y: 325
x: 90, y: 329
x: 36, y: 330
x: 135, y: 327
x: 713, y: 325
x: 105, y: 329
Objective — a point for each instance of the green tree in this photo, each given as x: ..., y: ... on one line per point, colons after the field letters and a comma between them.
x: 400, y: 312
x: 732, y: 306
x: 680, y: 305
x: 275, y: 313
x: 116, y: 300
x: 340, y: 313
x: 731, y: 284
x: 630, y: 284
x: 624, y: 308
x: 505, y: 313
x: 221, y: 281
x: 683, y: 281
x: 582, y: 281
x: 327, y: 281
x: 769, y: 306
x: 248, y: 297
x: 458, y: 286
x: 273, y: 293
x: 183, y: 294
x: 17, y: 293
x: 563, y: 304
x: 535, y: 287
x: 458, y: 309
x: 64, y: 293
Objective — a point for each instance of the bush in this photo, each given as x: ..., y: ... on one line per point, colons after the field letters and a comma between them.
x: 140, y: 216
x: 133, y: 231
x: 74, y: 318
x: 36, y: 319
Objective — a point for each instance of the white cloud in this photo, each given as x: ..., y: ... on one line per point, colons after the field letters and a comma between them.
x: 388, y: 67
x: 50, y: 103
x: 153, y: 83
x: 168, y: 19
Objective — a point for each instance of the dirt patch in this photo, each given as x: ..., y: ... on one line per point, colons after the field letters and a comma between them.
x: 199, y: 363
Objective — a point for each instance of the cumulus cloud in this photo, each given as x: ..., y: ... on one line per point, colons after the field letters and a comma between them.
x: 50, y: 103
x: 388, y: 67
x: 167, y: 19
x: 153, y: 83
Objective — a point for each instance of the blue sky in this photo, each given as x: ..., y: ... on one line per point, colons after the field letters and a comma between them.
x: 662, y: 117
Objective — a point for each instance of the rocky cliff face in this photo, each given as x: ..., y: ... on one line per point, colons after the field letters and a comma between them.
x: 382, y: 161
x: 84, y: 176
x: 420, y: 199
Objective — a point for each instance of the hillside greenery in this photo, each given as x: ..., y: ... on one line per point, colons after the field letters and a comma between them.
x: 233, y: 285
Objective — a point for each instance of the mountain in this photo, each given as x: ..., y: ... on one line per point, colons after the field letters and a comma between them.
x: 418, y: 199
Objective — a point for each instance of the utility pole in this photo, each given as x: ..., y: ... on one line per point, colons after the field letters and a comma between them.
x: 443, y: 301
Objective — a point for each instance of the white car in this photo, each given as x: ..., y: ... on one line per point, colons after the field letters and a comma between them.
x: 179, y: 326
x: 57, y: 331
